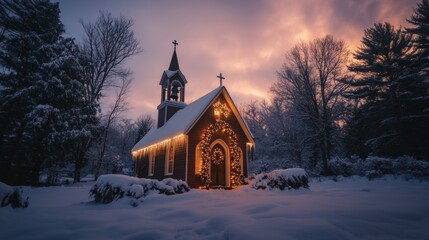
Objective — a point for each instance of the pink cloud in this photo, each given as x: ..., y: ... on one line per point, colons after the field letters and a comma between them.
x: 245, y: 40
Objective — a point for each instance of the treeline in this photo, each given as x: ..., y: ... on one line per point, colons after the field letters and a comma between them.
x: 328, y: 102
x: 51, y: 89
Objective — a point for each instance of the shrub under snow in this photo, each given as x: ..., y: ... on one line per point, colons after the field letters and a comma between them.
x: 373, y: 167
x: 282, y: 179
x: 12, y: 196
x: 114, y: 186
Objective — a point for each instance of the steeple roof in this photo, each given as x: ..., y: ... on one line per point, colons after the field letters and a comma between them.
x: 174, y: 64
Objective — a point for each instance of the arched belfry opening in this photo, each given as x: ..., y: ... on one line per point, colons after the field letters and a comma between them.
x: 173, y: 84
x: 174, y: 91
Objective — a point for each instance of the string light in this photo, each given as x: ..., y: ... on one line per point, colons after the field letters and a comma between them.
x: 176, y: 141
x: 221, y: 109
x: 236, y: 176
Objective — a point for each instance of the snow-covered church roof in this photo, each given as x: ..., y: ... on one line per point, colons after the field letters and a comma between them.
x: 183, y: 120
x: 180, y: 122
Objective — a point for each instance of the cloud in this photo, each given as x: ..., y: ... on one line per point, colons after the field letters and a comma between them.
x: 245, y: 40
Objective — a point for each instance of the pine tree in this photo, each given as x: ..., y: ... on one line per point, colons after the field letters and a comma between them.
x: 420, y: 21
x: 387, y: 85
x: 418, y: 92
x: 43, y: 113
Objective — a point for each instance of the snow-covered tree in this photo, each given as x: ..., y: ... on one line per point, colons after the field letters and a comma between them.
x: 420, y: 28
x: 389, y: 88
x: 42, y: 111
x: 309, y: 86
x: 143, y: 123
x: 107, y: 44
x: 418, y: 90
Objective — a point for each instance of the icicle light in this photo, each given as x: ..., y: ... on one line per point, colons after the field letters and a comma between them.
x: 176, y: 141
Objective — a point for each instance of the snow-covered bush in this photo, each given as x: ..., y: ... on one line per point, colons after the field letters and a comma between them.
x: 378, y: 165
x: 12, y: 196
x: 373, y: 167
x: 409, y: 166
x: 281, y: 178
x: 112, y: 187
x: 172, y: 186
x: 341, y: 166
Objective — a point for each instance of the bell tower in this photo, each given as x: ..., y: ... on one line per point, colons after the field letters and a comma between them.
x: 172, y: 90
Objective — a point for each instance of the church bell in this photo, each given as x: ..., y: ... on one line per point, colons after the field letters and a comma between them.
x: 174, y: 93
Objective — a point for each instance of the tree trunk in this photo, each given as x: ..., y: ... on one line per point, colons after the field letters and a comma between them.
x: 103, y: 150
x: 78, y: 166
x: 35, y: 172
x: 325, y: 153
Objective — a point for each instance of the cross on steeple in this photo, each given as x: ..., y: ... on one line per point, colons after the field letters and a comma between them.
x: 220, y: 78
x: 175, y: 43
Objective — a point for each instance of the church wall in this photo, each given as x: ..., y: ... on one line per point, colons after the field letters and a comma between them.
x: 179, y: 169
x: 142, y: 163
x: 195, y: 136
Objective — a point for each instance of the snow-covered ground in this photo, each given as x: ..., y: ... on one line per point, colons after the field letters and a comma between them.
x: 352, y: 208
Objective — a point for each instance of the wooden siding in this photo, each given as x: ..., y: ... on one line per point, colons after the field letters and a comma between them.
x: 179, y: 170
x: 195, y: 136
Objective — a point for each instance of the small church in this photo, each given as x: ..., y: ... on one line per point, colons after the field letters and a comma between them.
x: 206, y: 143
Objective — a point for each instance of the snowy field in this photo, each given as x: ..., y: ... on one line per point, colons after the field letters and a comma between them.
x: 352, y: 208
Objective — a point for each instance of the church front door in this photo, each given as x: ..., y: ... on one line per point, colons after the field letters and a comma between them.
x: 218, y: 166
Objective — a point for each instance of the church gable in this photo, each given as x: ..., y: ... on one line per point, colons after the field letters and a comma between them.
x: 220, y: 124
x: 222, y: 108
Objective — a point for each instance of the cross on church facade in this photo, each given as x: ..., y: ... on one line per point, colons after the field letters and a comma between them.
x: 220, y: 78
x: 175, y: 43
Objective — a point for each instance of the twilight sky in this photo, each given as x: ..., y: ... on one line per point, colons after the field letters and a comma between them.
x: 244, y: 39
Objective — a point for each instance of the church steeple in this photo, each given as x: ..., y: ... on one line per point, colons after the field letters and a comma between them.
x: 174, y: 64
x: 172, y: 90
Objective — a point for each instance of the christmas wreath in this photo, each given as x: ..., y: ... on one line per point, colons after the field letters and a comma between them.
x: 217, y: 156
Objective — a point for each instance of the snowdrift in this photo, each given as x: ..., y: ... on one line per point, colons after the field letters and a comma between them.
x: 291, y: 178
x: 12, y: 196
x: 112, y: 187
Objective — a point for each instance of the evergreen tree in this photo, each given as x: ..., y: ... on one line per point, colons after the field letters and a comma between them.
x: 43, y: 113
x: 420, y: 21
x: 387, y: 118
x: 418, y: 94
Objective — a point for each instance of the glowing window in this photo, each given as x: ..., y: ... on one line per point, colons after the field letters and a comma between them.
x: 151, y: 164
x: 198, y: 159
x: 169, y: 160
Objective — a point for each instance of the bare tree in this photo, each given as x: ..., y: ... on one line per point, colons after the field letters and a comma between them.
x: 116, y: 109
x: 108, y: 43
x: 310, y: 85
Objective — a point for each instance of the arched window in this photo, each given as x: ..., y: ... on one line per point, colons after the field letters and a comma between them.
x: 198, y: 159
x: 151, y: 163
x: 169, y: 160
x: 241, y: 161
